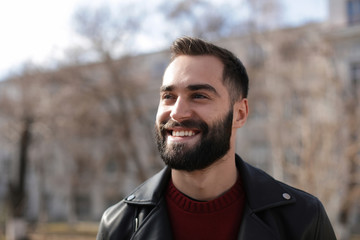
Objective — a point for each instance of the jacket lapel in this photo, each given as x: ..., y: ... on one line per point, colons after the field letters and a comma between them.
x: 156, y: 226
x: 253, y: 228
x: 262, y: 193
x: 150, y: 195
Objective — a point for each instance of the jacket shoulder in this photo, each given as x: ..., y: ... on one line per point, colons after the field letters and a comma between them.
x: 121, y: 220
x: 309, y: 211
x: 264, y: 191
x: 289, y: 212
x: 115, y: 218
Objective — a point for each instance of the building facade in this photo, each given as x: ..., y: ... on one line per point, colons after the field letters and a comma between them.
x: 304, y: 81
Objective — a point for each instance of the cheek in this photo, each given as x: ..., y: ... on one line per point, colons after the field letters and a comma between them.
x: 157, y: 120
x: 161, y: 115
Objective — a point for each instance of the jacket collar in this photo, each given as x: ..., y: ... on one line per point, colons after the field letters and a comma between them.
x: 150, y: 192
x: 261, y: 190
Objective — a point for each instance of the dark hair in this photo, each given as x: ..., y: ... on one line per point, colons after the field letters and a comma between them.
x: 234, y: 74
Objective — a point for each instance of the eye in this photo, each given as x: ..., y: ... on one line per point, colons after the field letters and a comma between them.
x: 167, y: 97
x: 199, y: 96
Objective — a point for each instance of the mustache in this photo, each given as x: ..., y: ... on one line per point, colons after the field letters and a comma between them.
x: 185, y: 124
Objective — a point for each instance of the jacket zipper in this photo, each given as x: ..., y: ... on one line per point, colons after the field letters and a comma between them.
x: 136, y: 224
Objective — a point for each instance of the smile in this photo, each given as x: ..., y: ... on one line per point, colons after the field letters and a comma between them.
x: 187, y: 133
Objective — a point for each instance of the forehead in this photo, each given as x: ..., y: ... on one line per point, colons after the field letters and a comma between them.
x: 187, y: 70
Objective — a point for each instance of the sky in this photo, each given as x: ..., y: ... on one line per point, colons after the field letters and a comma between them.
x: 39, y: 30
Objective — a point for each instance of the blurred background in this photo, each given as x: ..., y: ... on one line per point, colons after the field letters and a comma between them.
x: 79, y: 93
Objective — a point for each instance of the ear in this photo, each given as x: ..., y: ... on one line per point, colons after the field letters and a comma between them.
x: 241, y: 112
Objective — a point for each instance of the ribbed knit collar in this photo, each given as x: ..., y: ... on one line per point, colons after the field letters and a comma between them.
x: 187, y: 204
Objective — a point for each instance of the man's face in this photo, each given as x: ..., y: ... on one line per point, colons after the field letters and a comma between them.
x: 194, y: 119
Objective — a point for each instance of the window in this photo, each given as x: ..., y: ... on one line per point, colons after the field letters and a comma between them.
x: 259, y: 155
x: 355, y: 78
x: 353, y: 12
x: 355, y: 75
x: 83, y: 170
x: 255, y: 54
x: 158, y: 69
x: 259, y: 110
x: 293, y: 107
x: 82, y: 206
x: 112, y: 169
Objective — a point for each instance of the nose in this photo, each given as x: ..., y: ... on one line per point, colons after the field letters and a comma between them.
x: 180, y: 110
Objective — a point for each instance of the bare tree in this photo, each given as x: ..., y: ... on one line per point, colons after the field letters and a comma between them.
x: 19, y: 103
x: 265, y: 15
x: 84, y: 118
x: 349, y: 208
x: 196, y: 18
x: 116, y: 92
x: 211, y: 20
x: 309, y: 123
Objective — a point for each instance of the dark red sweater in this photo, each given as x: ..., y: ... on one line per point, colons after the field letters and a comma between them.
x: 216, y: 219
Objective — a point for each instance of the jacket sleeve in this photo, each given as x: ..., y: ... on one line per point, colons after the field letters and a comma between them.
x: 101, y: 235
x: 322, y: 228
x: 116, y: 223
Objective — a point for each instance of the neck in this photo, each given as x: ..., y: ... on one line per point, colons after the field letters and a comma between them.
x: 210, y: 183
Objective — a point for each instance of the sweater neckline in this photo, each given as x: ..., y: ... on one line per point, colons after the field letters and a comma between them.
x: 233, y: 195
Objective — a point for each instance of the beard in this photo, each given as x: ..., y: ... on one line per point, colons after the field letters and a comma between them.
x: 213, y: 145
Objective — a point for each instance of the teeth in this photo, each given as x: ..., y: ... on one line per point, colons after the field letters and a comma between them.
x: 183, y: 133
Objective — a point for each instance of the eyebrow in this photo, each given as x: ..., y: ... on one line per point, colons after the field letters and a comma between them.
x: 194, y: 87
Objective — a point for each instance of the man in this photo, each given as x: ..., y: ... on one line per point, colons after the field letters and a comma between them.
x: 206, y: 191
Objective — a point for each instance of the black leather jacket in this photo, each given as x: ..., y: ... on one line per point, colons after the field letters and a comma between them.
x: 273, y: 210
